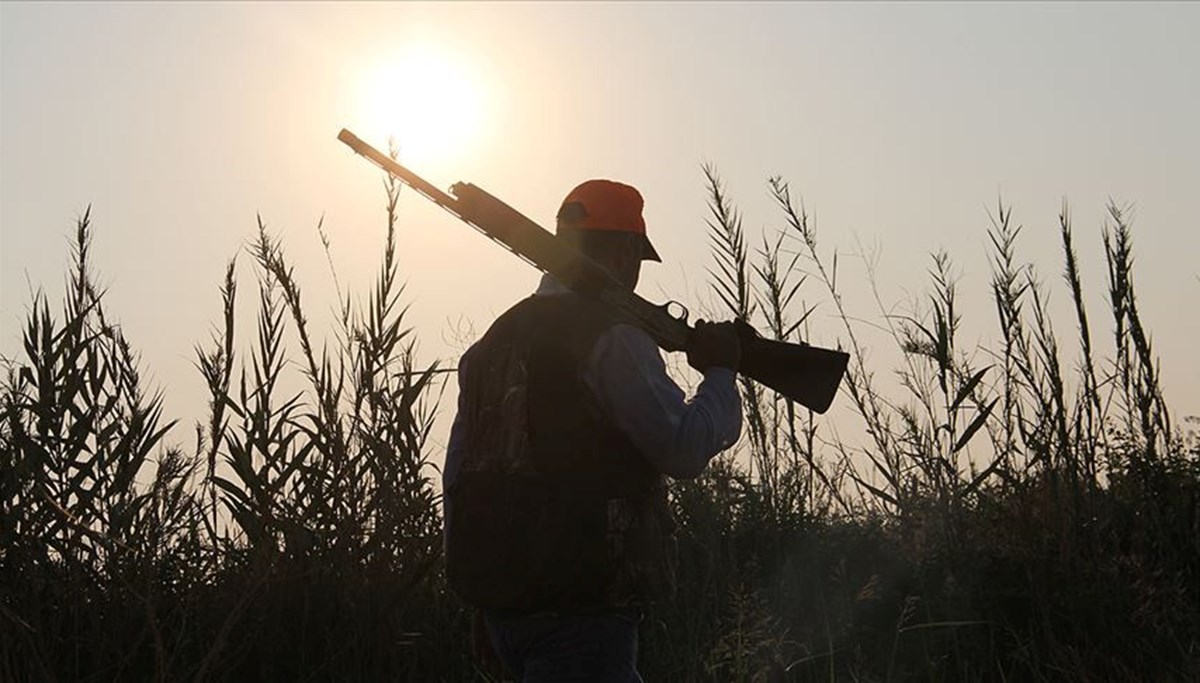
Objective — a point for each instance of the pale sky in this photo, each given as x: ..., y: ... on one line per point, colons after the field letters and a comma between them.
x: 899, y: 124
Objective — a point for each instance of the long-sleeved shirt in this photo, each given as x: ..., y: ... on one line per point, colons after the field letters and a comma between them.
x: 626, y: 374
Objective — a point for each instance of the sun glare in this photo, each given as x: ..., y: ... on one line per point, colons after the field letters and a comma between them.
x: 424, y: 99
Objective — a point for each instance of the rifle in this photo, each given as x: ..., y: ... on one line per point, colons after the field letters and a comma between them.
x: 808, y: 375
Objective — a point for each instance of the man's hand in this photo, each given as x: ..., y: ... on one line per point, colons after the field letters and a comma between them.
x: 714, y: 345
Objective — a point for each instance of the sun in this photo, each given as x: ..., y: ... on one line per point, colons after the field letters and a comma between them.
x: 426, y: 100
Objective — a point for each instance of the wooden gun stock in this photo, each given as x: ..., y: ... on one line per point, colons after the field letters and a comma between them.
x: 808, y: 375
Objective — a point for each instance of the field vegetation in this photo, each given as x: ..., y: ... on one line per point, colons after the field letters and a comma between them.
x: 1026, y: 510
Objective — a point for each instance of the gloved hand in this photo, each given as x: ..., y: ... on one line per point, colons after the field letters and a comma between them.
x: 714, y: 345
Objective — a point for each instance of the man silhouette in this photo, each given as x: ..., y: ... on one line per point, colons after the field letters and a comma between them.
x: 557, y: 524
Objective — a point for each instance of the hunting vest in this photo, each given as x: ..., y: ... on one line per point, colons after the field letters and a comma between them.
x: 552, y: 507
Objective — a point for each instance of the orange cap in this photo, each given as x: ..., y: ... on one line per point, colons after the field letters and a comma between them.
x: 606, y: 205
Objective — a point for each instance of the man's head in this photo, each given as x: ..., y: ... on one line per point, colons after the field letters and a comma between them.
x: 603, y: 219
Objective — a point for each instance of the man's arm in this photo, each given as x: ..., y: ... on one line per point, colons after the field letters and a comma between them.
x: 627, y: 375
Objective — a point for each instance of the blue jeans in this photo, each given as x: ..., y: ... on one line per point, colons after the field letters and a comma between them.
x: 582, y: 647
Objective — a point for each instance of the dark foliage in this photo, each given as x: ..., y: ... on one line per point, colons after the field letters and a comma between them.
x: 1020, y: 519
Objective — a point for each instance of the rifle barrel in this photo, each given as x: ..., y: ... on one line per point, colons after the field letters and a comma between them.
x: 409, y: 178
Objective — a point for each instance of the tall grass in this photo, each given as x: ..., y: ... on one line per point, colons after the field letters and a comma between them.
x: 1015, y: 518
x: 1025, y: 509
x: 299, y: 538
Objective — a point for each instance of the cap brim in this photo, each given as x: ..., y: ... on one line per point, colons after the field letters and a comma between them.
x: 648, y: 252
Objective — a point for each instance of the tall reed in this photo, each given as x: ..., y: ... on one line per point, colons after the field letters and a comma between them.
x: 1011, y: 511
x: 301, y: 536
x: 1023, y: 517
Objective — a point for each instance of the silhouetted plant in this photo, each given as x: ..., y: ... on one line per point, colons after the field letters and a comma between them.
x: 1008, y: 515
x: 1059, y: 547
x: 98, y: 524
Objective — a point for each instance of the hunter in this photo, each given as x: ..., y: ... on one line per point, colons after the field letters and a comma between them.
x: 557, y: 524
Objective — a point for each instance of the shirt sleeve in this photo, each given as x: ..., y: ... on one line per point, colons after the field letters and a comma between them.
x: 626, y: 374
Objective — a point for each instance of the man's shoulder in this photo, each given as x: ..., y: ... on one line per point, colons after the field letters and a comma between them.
x: 498, y: 327
x: 512, y: 316
x: 570, y: 314
x: 566, y: 318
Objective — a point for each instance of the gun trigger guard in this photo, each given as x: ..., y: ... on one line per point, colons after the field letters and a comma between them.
x: 672, y: 306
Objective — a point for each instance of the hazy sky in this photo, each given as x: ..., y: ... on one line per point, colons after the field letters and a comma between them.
x: 900, y: 125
